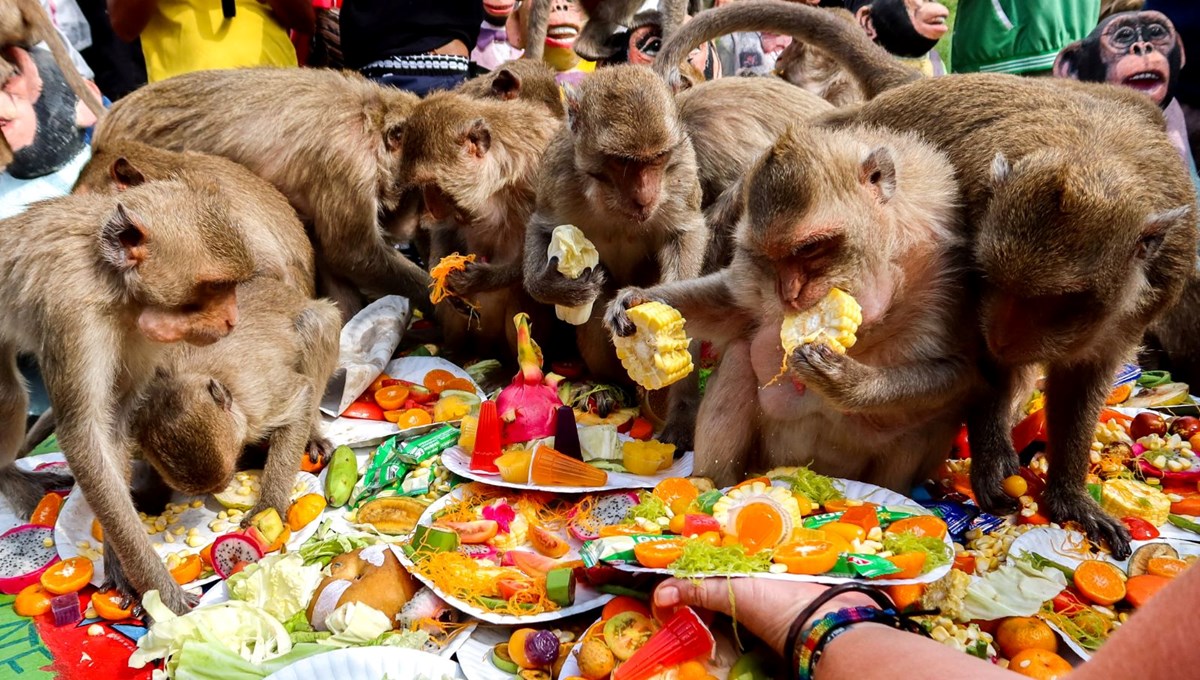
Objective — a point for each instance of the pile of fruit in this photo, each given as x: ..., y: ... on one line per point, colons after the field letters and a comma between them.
x: 441, y: 397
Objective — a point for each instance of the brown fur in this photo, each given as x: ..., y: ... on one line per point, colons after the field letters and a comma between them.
x: 1082, y: 225
x: 269, y: 225
x: 25, y: 23
x: 203, y: 407
x: 814, y: 70
x: 624, y: 173
x: 521, y: 79
x: 477, y: 162
x: 108, y: 283
x: 874, y: 214
x: 329, y: 141
x: 732, y: 120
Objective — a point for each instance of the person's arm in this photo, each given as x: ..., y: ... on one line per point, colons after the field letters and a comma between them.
x: 129, y: 17
x: 297, y: 15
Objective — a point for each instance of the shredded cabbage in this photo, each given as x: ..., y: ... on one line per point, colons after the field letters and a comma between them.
x: 816, y: 487
x: 354, y: 624
x: 281, y: 585
x: 937, y: 553
x: 324, y: 545
x: 649, y: 507
x: 1016, y: 589
x: 699, y: 557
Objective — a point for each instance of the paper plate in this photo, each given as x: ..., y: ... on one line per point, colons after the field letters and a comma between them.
x: 851, y: 489
x: 75, y: 525
x: 370, y: 663
x: 1069, y: 548
x: 586, y: 598
x: 458, y: 461
x: 356, y: 432
x: 475, y: 655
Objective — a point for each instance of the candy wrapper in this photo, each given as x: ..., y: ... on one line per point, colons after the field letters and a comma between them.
x: 885, y: 515
x: 403, y: 468
x: 419, y: 449
x: 367, y: 344
x: 614, y: 549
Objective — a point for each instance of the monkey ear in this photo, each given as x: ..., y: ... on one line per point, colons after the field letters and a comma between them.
x: 571, y: 94
x: 878, y: 172
x: 1155, y: 230
x: 1001, y: 169
x: 1066, y: 65
x: 393, y: 137
x: 863, y: 15
x: 125, y: 174
x: 506, y: 85
x: 477, y: 139
x: 123, y: 239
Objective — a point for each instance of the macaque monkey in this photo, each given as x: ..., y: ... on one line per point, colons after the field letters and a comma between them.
x: 333, y: 150
x: 804, y: 66
x: 523, y: 79
x: 24, y: 23
x: 874, y: 214
x: 203, y: 407
x: 109, y: 284
x: 1082, y: 223
x: 476, y: 162
x: 623, y: 172
x: 268, y: 224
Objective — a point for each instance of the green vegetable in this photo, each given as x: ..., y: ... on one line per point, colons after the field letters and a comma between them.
x: 701, y: 558
x: 215, y: 661
x: 614, y: 589
x: 298, y: 624
x: 649, y: 507
x: 753, y: 666
x: 1039, y: 563
x: 280, y: 585
x: 560, y: 586
x: 1094, y: 490
x: 1087, y: 639
x: 937, y: 553
x: 1152, y: 379
x: 1185, y: 524
x: 341, y: 476
x: 816, y: 487
x: 325, y: 544
x: 309, y: 636
x: 355, y: 624
x: 708, y: 499
x: 495, y: 603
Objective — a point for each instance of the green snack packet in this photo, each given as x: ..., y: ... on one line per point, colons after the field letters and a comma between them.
x: 383, y: 469
x: 841, y: 568
x: 888, y: 515
x: 870, y: 566
x: 418, y: 482
x: 614, y: 549
x: 415, y: 451
x: 707, y: 500
x: 818, y: 521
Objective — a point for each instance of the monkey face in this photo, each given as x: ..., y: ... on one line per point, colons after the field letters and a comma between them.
x: 634, y: 186
x: 187, y: 429
x: 498, y: 9
x: 1139, y: 50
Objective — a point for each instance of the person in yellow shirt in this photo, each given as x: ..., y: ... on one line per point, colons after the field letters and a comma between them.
x: 180, y: 36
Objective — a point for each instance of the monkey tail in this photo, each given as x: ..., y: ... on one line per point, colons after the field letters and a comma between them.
x: 58, y: 49
x: 535, y: 30
x: 874, y: 69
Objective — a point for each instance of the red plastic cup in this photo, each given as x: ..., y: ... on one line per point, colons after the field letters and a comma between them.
x: 684, y: 637
x: 487, y: 439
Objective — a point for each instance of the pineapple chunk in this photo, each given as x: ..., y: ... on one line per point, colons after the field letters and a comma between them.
x: 833, y: 320
x: 656, y: 355
x: 1131, y: 498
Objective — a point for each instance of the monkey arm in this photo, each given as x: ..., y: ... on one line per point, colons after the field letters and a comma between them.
x: 14, y: 405
x: 989, y: 429
x: 1075, y: 394
x: 288, y: 443
x: 924, y: 385
x: 706, y: 303
x: 83, y: 390
x: 543, y: 282
x: 683, y: 257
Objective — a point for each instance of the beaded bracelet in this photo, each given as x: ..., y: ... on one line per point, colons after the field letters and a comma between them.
x: 798, y: 625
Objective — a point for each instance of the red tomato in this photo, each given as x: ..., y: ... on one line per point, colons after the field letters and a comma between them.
x: 1030, y: 430
x: 1140, y: 529
x: 965, y: 562
x: 418, y: 393
x: 962, y: 449
x: 364, y: 410
x: 1067, y: 602
x: 510, y: 586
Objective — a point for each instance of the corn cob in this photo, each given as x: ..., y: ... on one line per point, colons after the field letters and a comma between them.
x: 656, y: 355
x: 575, y: 253
x: 832, y: 320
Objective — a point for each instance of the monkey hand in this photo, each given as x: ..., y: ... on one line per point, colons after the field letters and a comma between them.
x: 615, y: 317
x: 833, y: 374
x: 173, y: 595
x: 553, y: 288
x: 1077, y: 506
x: 988, y: 472
x: 318, y: 450
x: 476, y: 278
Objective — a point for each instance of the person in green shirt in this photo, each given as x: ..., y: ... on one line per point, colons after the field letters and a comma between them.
x: 1017, y: 36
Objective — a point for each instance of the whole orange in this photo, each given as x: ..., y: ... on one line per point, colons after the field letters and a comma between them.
x: 1040, y: 664
x: 1019, y: 633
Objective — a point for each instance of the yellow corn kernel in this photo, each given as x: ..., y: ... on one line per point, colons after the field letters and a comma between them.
x: 656, y: 355
x: 834, y: 320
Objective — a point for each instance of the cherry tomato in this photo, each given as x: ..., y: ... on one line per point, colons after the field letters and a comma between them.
x: 1067, y: 602
x: 364, y: 410
x: 1140, y: 529
x: 1030, y: 430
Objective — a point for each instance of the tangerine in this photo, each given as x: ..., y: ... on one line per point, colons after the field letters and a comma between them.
x: 1099, y: 582
x: 677, y: 492
x: 1040, y: 664
x: 1017, y: 634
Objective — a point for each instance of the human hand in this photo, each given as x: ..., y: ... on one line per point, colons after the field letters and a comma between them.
x: 765, y: 608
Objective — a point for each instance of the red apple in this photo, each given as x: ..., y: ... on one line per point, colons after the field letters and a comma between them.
x: 1146, y: 424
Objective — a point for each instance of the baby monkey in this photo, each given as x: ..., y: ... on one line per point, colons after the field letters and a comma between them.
x: 873, y: 214
x: 261, y: 385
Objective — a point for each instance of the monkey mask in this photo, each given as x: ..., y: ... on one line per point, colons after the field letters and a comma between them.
x: 1140, y: 50
x: 905, y: 28
x: 40, y: 116
x: 496, y: 12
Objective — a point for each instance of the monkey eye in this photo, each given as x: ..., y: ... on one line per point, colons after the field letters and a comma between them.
x: 1124, y: 35
x: 1156, y: 31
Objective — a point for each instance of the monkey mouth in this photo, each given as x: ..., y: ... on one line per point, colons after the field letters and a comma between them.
x: 498, y: 9
x: 931, y: 21
x: 1145, y: 81
x: 562, y: 35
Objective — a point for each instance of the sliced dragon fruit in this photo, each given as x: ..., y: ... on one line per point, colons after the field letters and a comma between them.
x: 608, y: 510
x: 230, y: 550
x: 479, y: 551
x: 24, y: 555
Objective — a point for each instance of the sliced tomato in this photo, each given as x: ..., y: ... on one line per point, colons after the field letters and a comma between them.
x: 510, y: 586
x: 1068, y: 602
x: 965, y: 562
x: 1140, y: 529
x: 418, y: 393
x: 364, y: 410
x: 1031, y: 429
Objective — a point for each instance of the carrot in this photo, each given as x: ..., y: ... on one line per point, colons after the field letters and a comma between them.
x: 910, y: 564
x: 1099, y: 582
x: 905, y: 596
x: 641, y: 429
x: 1187, y: 506
x: 1139, y: 589
x: 449, y: 264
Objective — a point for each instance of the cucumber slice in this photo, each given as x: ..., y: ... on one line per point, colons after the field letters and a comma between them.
x: 501, y: 659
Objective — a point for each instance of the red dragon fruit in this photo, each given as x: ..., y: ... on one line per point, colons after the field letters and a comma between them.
x: 24, y: 555
x: 528, y: 406
x: 232, y: 549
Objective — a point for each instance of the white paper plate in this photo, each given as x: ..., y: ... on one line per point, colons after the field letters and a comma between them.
x: 370, y: 663
x: 855, y: 490
x: 356, y: 432
x: 458, y: 461
x: 475, y: 655
x: 586, y: 598
x: 75, y: 525
x: 1063, y: 546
